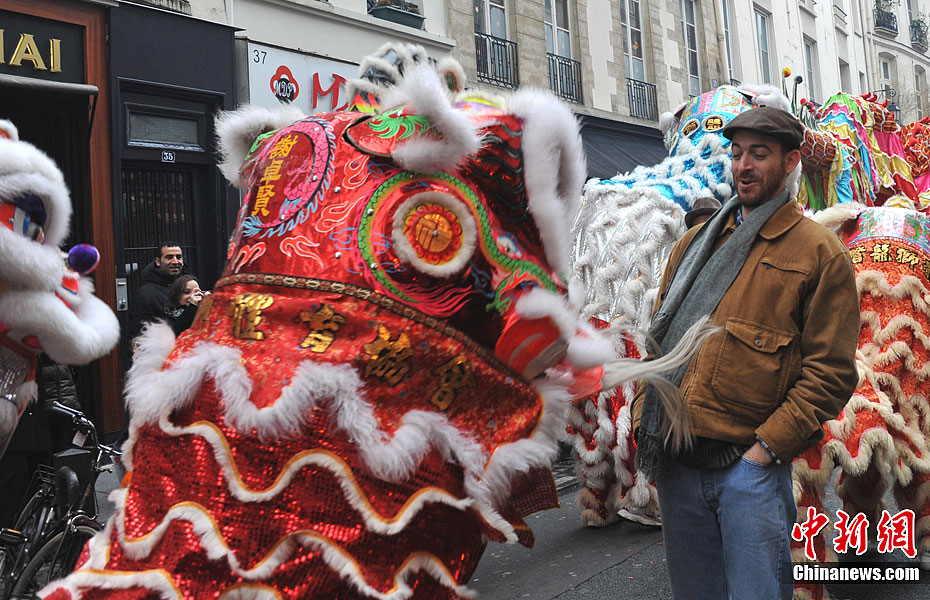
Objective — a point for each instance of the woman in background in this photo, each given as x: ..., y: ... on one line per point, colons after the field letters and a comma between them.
x: 184, y: 297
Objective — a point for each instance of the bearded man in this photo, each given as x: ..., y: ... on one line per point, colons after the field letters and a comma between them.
x: 782, y: 290
x: 148, y: 302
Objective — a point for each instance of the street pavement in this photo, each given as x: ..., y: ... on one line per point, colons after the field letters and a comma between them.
x: 623, y: 561
x: 573, y: 562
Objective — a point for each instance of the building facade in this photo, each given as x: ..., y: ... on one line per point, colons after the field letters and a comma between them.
x: 122, y: 96
x: 302, y: 51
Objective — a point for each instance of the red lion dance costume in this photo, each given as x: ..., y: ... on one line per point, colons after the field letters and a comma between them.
x: 880, y: 438
x: 364, y: 400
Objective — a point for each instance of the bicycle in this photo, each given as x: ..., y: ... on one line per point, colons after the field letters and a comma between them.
x: 54, y: 526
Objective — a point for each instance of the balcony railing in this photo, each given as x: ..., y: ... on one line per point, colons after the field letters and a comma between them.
x: 565, y: 77
x: 497, y: 60
x: 886, y: 22
x: 918, y: 37
x: 642, y: 97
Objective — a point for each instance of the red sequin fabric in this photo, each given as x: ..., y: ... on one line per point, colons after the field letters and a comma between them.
x: 336, y: 423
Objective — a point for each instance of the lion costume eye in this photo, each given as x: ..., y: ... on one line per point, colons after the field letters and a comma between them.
x: 27, y: 223
x: 435, y: 233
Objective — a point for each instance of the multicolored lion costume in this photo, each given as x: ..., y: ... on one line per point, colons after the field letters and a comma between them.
x: 45, y: 305
x: 375, y: 387
x: 853, y: 152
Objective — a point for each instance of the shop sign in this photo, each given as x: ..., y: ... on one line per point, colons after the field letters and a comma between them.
x: 312, y: 83
x: 41, y: 48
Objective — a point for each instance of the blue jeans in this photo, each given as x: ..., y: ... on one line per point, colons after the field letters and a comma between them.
x: 727, y: 530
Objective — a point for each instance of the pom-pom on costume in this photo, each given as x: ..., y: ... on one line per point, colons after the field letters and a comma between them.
x: 44, y: 305
x: 369, y: 395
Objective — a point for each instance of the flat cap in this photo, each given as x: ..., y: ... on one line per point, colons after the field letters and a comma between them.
x: 707, y: 205
x: 768, y: 121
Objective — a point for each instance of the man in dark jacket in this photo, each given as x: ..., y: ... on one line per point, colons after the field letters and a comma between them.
x: 148, y: 302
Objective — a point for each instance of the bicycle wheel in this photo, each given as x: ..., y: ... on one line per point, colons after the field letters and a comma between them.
x: 28, y: 514
x: 50, y: 562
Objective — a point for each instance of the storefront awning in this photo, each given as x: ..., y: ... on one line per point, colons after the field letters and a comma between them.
x: 614, y: 147
x: 15, y: 82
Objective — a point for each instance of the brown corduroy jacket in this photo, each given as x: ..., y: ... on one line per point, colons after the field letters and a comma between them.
x: 784, y: 360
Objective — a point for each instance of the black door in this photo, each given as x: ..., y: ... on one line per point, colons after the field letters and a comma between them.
x: 169, y: 186
x: 159, y: 203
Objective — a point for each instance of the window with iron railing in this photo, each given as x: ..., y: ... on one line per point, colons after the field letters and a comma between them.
x: 886, y: 21
x: 642, y: 99
x: 496, y: 60
x: 565, y: 77
x: 918, y: 35
x: 495, y: 55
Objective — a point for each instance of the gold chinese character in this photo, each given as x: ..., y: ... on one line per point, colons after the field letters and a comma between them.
x: 857, y: 254
x: 265, y: 193
x: 386, y: 358
x: 906, y: 257
x: 273, y: 171
x: 323, y: 325
x: 881, y: 253
x: 452, y: 375
x: 926, y: 268
x: 246, y: 311
x: 283, y: 147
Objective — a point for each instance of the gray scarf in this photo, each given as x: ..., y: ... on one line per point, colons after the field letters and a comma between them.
x: 699, y: 283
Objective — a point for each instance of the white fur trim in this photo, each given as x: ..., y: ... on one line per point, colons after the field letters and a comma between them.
x: 157, y: 581
x: 589, y: 350
x: 554, y: 166
x: 237, y: 130
x: 408, y: 254
x: 216, y: 548
x: 29, y: 265
x: 25, y: 168
x: 374, y: 521
x: 407, y: 55
x: 449, y: 68
x: 422, y: 91
x: 7, y: 127
x: 836, y: 216
x: 540, y: 303
x: 73, y: 337
x: 359, y: 84
x: 909, y: 286
x: 249, y: 591
x: 766, y: 95
x: 586, y: 346
x: 668, y: 120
